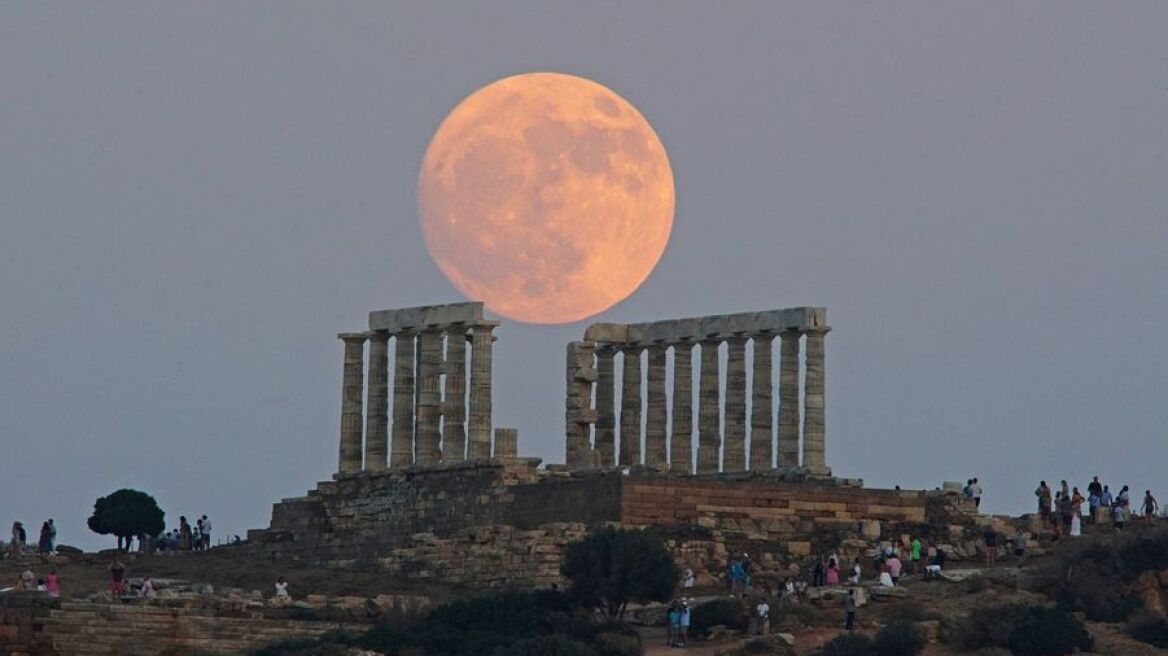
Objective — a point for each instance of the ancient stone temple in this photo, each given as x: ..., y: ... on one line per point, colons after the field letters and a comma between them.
x: 725, y: 440
x: 432, y: 421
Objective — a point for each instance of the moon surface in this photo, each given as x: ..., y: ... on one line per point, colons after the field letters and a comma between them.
x: 546, y: 196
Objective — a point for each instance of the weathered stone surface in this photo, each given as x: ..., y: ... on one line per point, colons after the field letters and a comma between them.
x: 414, y: 319
x: 681, y: 439
x: 351, y: 401
x: 698, y: 328
x: 427, y: 439
x: 605, y: 406
x: 709, y: 433
x: 814, y: 431
x: 630, y: 418
x: 479, y: 419
x: 655, y: 428
x: 762, y: 406
x: 402, y: 448
x: 377, y: 419
x: 454, y: 397
x: 789, y: 399
x: 734, y: 454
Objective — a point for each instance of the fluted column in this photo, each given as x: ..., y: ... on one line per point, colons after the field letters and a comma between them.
x: 762, y: 405
x: 681, y: 441
x: 402, y: 447
x: 655, y: 452
x: 377, y: 417
x: 578, y: 413
x: 352, y: 389
x: 630, y: 419
x: 426, y: 448
x: 479, y: 420
x: 734, y: 458
x: 605, y: 406
x: 454, y: 396
x: 789, y: 399
x: 814, y: 428
x: 709, y: 435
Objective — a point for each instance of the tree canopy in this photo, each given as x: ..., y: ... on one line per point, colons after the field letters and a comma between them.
x: 611, y: 567
x: 127, y: 513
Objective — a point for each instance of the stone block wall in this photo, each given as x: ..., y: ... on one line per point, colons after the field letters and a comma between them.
x: 22, y: 624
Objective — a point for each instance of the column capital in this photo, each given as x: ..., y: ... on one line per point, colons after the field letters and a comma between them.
x: 353, y: 337
x: 817, y: 330
x: 378, y: 335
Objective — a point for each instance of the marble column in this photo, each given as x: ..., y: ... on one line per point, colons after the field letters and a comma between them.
x: 377, y: 417
x: 605, y: 406
x: 426, y: 447
x: 479, y: 420
x: 789, y: 399
x: 402, y: 447
x: 630, y: 416
x: 734, y: 458
x: 709, y: 434
x: 454, y: 396
x: 578, y: 413
x: 655, y: 451
x: 814, y: 429
x: 352, y: 389
x: 681, y: 441
x: 762, y: 405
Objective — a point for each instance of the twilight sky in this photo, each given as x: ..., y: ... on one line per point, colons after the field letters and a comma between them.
x: 196, y: 197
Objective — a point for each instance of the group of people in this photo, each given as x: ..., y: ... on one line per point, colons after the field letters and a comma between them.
x: 46, y: 541
x: 49, y: 583
x: 187, y: 537
x: 1063, y: 509
x: 972, y: 491
x: 677, y: 626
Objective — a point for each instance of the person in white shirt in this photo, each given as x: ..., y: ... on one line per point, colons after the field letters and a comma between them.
x: 688, y: 580
x: 282, y: 588
x: 206, y: 532
x: 764, y: 617
x: 886, y: 578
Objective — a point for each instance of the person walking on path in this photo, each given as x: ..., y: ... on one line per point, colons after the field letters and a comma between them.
x: 1150, y: 507
x: 764, y: 617
x: 850, y: 608
x: 1043, y: 494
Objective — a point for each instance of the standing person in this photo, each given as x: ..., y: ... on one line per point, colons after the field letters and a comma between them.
x: 857, y: 572
x: 914, y: 552
x: 1064, y: 488
x: 1118, y: 515
x: 53, y: 584
x: 991, y: 546
x: 684, y: 622
x: 117, y: 577
x: 1124, y: 498
x: 1150, y: 507
x: 850, y: 607
x: 147, y: 589
x: 198, y: 537
x: 1064, y: 504
x: 764, y: 617
x: 1043, y: 494
x: 282, y: 588
x: 673, y: 631
x: 52, y: 537
x: 819, y: 574
x: 1105, y: 499
x: 45, y: 541
x: 17, y: 546
x: 832, y: 577
x: 975, y: 492
x: 1094, y: 494
x: 1076, y: 513
x: 184, y: 533
x: 894, y: 568
x: 688, y: 581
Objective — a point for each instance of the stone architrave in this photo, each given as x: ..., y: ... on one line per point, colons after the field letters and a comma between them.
x: 454, y: 397
x: 630, y: 419
x: 352, y: 389
x: 578, y: 412
x: 762, y: 405
x: 709, y: 435
x: 814, y: 428
x: 655, y: 411
x: 605, y: 406
x: 402, y: 446
x: 681, y: 440
x: 479, y: 419
x: 789, y: 399
x: 734, y: 456
x: 427, y: 446
x: 377, y: 417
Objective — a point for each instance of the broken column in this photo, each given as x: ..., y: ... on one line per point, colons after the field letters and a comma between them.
x: 789, y: 399
x: 352, y: 389
x: 630, y: 419
x: 762, y: 405
x: 402, y: 447
x: 655, y: 451
x: 734, y: 458
x: 814, y: 429
x: 479, y: 417
x: 605, y: 406
x: 454, y: 396
x: 427, y: 450
x: 578, y: 413
x: 377, y: 419
x: 681, y: 441
x: 709, y: 436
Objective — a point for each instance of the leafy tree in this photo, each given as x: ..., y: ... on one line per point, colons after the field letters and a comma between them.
x: 1048, y: 632
x: 127, y: 513
x: 611, y: 567
x: 898, y: 639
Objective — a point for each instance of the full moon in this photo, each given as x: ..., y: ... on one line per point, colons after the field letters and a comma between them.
x: 546, y: 196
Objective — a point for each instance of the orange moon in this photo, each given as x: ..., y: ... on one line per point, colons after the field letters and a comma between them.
x: 546, y: 196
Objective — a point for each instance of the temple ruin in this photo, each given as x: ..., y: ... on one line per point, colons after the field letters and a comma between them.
x: 722, y: 437
x: 431, y: 422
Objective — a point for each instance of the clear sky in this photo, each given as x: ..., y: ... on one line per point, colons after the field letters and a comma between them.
x: 196, y: 197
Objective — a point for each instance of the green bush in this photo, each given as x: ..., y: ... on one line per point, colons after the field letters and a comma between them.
x: 1149, y: 628
x: 725, y: 612
x: 611, y: 567
x: 1048, y: 632
x: 550, y: 645
x: 898, y: 639
x: 909, y: 611
x: 618, y: 642
x: 985, y: 627
x: 847, y: 644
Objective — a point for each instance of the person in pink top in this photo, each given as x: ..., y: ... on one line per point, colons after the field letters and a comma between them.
x: 894, y: 567
x: 833, y: 573
x: 52, y: 584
